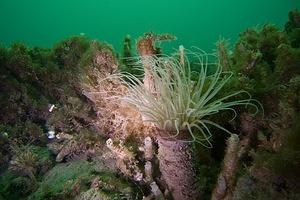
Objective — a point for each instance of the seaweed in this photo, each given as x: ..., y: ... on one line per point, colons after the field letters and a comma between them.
x: 77, y: 179
x: 68, y: 52
x: 292, y: 27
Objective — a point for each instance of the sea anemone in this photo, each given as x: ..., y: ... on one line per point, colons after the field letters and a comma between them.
x: 182, y: 103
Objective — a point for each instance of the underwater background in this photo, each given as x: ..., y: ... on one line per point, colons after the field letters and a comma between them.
x: 76, y: 100
x: 194, y: 22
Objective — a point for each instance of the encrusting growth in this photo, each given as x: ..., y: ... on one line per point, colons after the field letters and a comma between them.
x: 146, y: 48
x: 126, y: 161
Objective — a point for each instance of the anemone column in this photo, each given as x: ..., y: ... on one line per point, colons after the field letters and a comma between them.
x: 177, y: 168
x: 175, y: 156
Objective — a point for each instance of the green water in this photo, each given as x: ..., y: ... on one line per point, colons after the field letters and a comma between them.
x: 194, y: 22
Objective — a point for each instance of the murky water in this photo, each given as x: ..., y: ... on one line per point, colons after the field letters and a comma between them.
x: 194, y: 22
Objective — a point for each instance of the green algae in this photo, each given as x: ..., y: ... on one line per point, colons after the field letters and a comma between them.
x: 66, y: 181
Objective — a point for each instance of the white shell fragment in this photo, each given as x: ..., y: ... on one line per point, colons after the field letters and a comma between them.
x: 51, y: 108
x: 51, y: 134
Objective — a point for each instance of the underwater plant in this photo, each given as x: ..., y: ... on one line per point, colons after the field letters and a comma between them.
x: 222, y: 51
x: 292, y: 27
x: 127, y: 51
x: 24, y: 162
x: 68, y: 52
x: 83, y: 180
